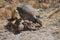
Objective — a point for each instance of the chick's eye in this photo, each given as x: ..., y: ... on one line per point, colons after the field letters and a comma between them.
x: 38, y: 16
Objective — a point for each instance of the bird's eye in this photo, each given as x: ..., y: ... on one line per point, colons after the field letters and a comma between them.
x: 38, y: 16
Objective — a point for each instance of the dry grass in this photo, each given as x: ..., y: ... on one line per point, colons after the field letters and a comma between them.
x: 7, y: 13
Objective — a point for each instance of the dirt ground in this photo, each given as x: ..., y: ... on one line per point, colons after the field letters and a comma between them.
x: 49, y: 15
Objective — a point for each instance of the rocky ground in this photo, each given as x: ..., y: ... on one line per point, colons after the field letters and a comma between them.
x: 50, y: 18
